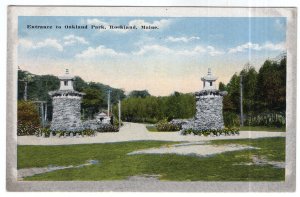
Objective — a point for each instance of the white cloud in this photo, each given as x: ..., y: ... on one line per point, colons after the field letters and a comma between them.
x: 138, y: 23
x: 274, y: 47
x: 213, y: 52
x: 181, y: 39
x: 198, y: 50
x: 98, y: 51
x: 153, y: 49
x: 253, y: 46
x: 243, y: 47
x: 47, y: 43
x: 95, y: 21
x: 72, y: 39
x: 25, y: 43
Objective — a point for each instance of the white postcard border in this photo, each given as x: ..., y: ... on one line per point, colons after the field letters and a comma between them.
x: 11, y: 172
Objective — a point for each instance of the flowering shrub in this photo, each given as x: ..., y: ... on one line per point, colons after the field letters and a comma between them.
x: 28, y: 128
x: 87, y: 132
x: 164, y: 125
x: 28, y: 118
x: 102, y: 128
x: 43, y: 132
x: 225, y: 131
x: 46, y: 132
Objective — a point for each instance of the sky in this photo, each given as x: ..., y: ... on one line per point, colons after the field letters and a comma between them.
x: 172, y: 57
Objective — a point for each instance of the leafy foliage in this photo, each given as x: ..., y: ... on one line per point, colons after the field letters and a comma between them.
x: 225, y: 131
x: 164, y: 125
x: 38, y: 87
x: 46, y: 132
x: 264, y: 95
x: 107, y: 128
x: 139, y: 93
x: 28, y: 118
x: 92, y: 101
x: 152, y: 109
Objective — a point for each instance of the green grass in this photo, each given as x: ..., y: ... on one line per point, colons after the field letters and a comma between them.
x: 152, y: 128
x: 115, y: 164
x: 261, y: 128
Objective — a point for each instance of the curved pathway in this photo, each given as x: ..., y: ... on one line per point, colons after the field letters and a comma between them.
x: 135, y: 132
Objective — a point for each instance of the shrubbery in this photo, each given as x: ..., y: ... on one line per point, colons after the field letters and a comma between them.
x: 28, y: 118
x: 26, y: 128
x: 46, y: 132
x: 225, y: 131
x: 164, y: 125
x: 102, y: 128
x: 231, y: 119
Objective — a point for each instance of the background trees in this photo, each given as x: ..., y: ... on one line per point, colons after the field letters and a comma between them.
x: 152, y: 109
x: 264, y: 97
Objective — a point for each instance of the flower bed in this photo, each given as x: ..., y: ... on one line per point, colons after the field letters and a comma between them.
x: 225, y: 131
x: 26, y: 128
x: 45, y: 132
x: 164, y: 125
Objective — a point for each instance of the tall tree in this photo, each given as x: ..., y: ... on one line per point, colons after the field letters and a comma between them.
x: 92, y: 101
x: 139, y: 93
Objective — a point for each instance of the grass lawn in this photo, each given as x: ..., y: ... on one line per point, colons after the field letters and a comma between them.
x: 115, y: 164
x: 152, y: 128
x: 261, y: 128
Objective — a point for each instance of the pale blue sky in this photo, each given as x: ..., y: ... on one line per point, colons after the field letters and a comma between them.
x: 172, y: 58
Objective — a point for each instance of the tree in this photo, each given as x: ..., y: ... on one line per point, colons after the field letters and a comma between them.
x: 271, y: 88
x: 233, y: 88
x: 222, y: 86
x: 139, y: 93
x: 92, y: 101
x: 80, y: 84
x: 249, y: 87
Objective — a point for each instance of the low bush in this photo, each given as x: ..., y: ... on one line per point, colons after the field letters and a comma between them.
x: 102, y: 128
x: 164, y: 125
x: 46, y: 132
x: 225, y: 131
x: 231, y: 119
x: 26, y: 128
x: 28, y: 118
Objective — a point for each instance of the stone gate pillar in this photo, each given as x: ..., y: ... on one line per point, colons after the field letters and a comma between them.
x: 209, y: 105
x: 66, y: 106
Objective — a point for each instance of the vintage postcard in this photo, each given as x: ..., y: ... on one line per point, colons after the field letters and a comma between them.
x: 151, y: 99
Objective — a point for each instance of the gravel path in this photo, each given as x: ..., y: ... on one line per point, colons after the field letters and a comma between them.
x: 135, y: 132
x: 200, y: 150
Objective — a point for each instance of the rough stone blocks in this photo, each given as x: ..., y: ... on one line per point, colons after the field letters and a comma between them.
x: 66, y: 114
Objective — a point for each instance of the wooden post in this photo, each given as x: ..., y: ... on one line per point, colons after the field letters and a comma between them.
x: 108, y: 103
x: 25, y: 91
x: 241, y: 100
x: 119, y: 113
x: 45, y: 112
x: 42, y: 113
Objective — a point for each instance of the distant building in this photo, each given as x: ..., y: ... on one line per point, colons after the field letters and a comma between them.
x: 103, y: 118
x: 66, y: 105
